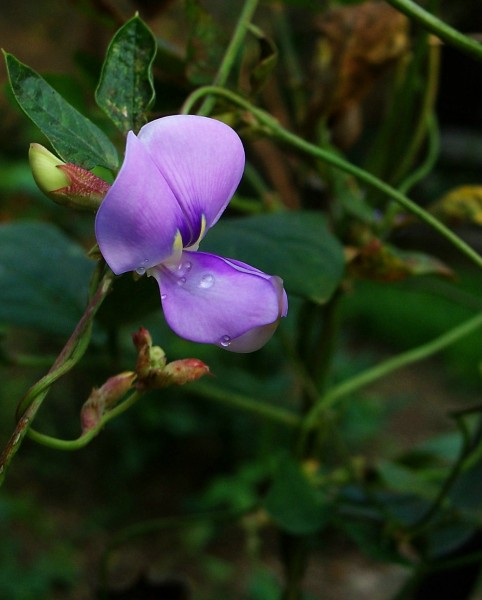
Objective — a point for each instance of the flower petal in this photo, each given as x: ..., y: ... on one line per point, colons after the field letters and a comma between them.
x: 213, y: 300
x: 202, y: 160
x: 138, y: 220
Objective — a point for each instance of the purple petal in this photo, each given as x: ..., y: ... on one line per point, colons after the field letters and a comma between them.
x: 213, y: 300
x: 137, y: 222
x: 202, y: 160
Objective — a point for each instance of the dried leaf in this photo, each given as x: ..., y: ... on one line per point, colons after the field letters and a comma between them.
x: 381, y: 262
x: 355, y: 45
x: 461, y: 205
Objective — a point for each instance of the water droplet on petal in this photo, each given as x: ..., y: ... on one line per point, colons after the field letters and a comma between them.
x: 181, y: 281
x: 206, y: 281
x: 225, y: 341
x: 140, y: 270
x: 163, y: 296
x: 184, y: 267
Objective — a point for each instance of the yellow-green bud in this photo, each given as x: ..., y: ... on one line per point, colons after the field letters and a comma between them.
x: 45, y: 171
x: 66, y: 183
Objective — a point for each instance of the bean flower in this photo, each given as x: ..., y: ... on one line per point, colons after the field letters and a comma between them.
x: 178, y: 176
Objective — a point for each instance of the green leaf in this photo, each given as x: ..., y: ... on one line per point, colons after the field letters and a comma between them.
x: 126, y: 90
x: 293, y: 502
x: 43, y: 278
x: 75, y: 138
x: 399, y: 478
x: 297, y: 246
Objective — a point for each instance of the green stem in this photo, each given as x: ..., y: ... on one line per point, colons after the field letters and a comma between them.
x: 69, y: 356
x: 389, y: 366
x: 272, y: 126
x: 85, y: 438
x: 263, y: 411
x: 438, y: 27
x: 232, y: 51
x: 426, y: 112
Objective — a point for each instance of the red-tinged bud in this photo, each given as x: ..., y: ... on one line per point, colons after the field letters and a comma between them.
x: 149, y: 358
x: 186, y: 370
x: 104, y: 398
x: 152, y: 370
x: 90, y: 414
x: 142, y: 338
x: 66, y: 183
x: 86, y: 191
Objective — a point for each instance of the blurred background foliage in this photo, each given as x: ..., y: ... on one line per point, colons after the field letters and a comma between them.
x: 126, y: 516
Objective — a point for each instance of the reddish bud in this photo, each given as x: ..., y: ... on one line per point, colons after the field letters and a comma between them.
x: 186, y: 370
x: 66, y: 183
x: 104, y: 398
x: 152, y: 370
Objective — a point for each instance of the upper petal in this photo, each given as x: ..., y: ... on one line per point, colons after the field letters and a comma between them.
x: 202, y: 160
x: 213, y: 300
x: 137, y: 222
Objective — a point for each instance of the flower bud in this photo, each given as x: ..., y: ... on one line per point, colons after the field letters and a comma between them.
x: 149, y: 358
x: 104, y: 398
x: 186, y: 370
x: 66, y: 183
x: 45, y: 169
x: 152, y: 370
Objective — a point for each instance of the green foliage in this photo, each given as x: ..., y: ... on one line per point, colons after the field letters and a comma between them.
x: 43, y: 278
x: 236, y: 458
x: 74, y: 137
x: 298, y: 246
x: 125, y: 91
x: 293, y: 501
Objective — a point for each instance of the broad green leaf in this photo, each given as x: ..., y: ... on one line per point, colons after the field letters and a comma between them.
x: 43, y: 278
x: 75, y: 138
x: 126, y: 90
x: 296, y: 246
x: 294, y: 503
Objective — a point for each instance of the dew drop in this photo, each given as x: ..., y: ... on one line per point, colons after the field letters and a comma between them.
x: 206, y: 281
x: 184, y: 267
x: 225, y: 341
x: 181, y: 281
x: 163, y: 296
x: 140, y: 270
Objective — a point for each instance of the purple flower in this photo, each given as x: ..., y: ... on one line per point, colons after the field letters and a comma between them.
x: 178, y: 176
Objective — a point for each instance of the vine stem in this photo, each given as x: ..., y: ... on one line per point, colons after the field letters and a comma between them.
x: 439, y: 28
x: 231, y: 53
x: 275, y: 129
x: 68, y: 357
x: 392, y: 364
x: 85, y: 438
x: 239, y: 401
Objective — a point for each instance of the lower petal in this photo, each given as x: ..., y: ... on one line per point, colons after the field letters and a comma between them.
x: 213, y: 300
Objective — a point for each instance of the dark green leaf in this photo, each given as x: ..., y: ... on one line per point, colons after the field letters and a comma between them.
x: 297, y: 246
x: 43, y: 278
x: 293, y: 502
x: 75, y: 138
x: 126, y: 90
